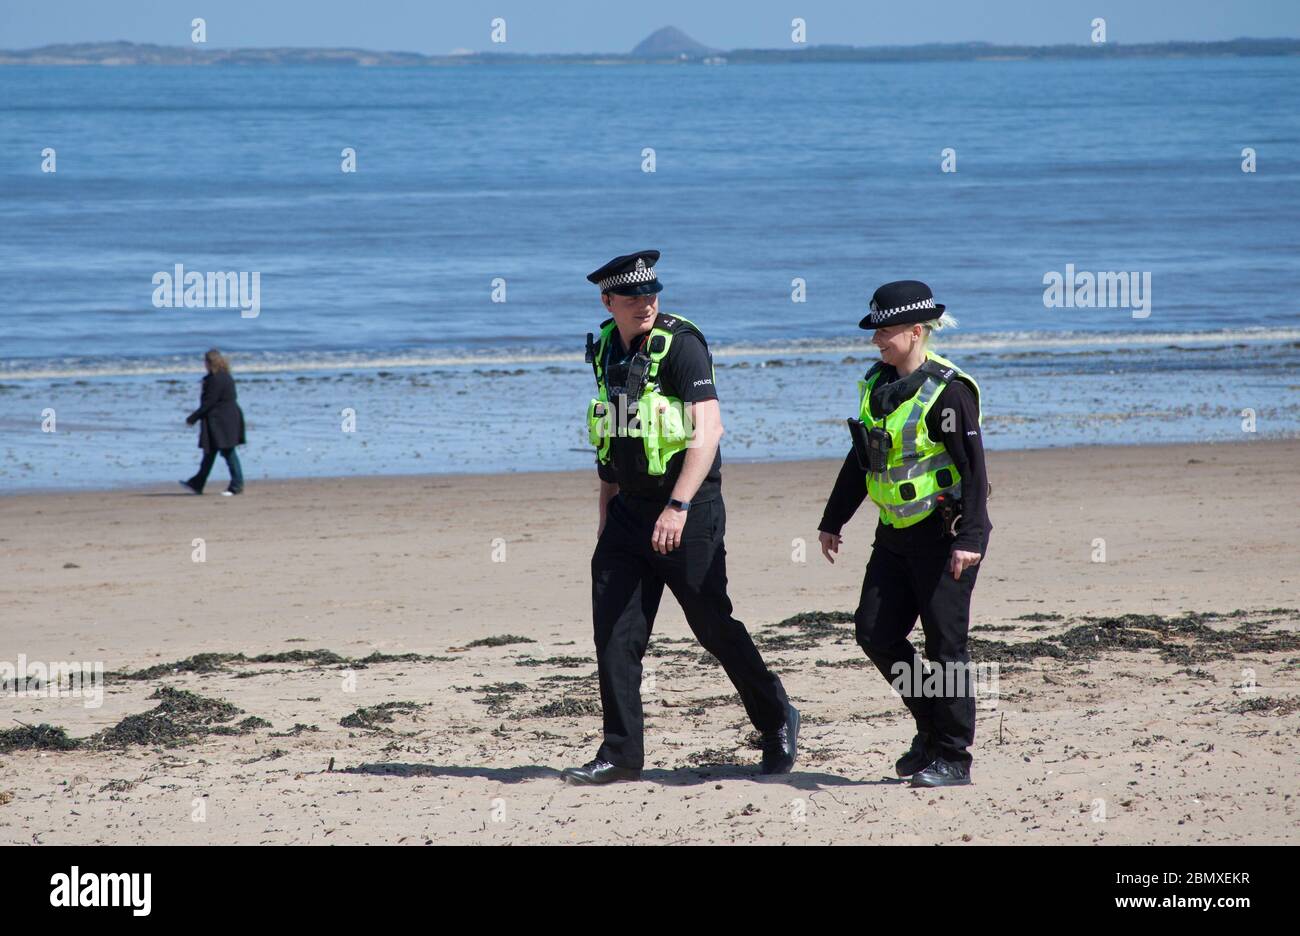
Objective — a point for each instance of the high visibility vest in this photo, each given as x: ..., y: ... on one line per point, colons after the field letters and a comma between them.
x: 918, y: 468
x: 660, y: 421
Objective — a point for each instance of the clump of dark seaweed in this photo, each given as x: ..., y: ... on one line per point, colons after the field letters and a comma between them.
x: 1268, y: 705
x: 180, y: 716
x: 497, y: 696
x: 567, y: 707
x: 293, y: 732
x: 40, y: 737
x: 1186, y: 639
x: 205, y: 663
x: 501, y: 641
x: 374, y: 717
x: 810, y: 629
x: 199, y: 663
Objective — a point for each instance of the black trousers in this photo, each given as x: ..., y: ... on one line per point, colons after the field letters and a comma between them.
x: 895, y: 590
x: 205, y: 468
x: 627, y: 581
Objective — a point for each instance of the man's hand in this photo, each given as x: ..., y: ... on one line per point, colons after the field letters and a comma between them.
x: 830, y: 545
x: 667, y: 534
x: 960, y: 561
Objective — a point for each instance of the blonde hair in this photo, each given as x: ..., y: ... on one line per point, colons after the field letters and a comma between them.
x: 939, y: 324
x: 216, y: 361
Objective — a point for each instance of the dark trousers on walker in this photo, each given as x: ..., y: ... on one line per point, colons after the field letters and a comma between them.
x: 627, y: 581
x: 895, y: 591
x: 232, y: 462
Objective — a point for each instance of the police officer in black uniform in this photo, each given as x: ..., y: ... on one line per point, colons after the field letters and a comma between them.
x: 931, y: 486
x: 662, y: 519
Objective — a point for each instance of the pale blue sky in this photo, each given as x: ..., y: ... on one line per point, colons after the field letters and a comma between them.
x: 435, y: 26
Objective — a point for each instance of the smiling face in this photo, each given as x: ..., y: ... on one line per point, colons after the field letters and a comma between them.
x: 634, y: 315
x: 896, y: 342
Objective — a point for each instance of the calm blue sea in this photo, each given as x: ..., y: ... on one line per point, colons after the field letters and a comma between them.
x: 377, y: 287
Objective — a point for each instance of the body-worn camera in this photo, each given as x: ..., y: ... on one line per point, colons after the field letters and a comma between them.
x: 871, y: 446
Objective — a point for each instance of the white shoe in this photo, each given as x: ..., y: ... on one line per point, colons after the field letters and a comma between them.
x: 227, y: 493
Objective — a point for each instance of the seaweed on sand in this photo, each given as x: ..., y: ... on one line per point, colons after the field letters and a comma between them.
x: 40, y: 737
x: 374, y: 717
x: 180, y: 716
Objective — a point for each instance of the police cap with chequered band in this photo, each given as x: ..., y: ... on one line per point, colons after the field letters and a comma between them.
x: 630, y: 275
x: 904, y: 302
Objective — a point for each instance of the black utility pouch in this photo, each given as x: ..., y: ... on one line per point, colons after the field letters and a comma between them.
x: 858, y: 433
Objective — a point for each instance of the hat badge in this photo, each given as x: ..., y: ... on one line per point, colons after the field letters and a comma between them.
x: 640, y: 264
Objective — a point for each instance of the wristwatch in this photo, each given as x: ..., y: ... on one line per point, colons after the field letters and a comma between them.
x: 679, y: 504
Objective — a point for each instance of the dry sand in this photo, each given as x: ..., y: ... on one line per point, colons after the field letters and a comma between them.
x: 1100, y: 742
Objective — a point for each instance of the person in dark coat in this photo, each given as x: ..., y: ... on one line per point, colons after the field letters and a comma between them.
x: 221, y: 424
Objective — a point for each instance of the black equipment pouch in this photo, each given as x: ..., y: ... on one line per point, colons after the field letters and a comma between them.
x: 591, y: 348
x: 858, y: 432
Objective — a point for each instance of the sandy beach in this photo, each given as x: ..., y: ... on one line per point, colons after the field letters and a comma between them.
x: 1179, y: 723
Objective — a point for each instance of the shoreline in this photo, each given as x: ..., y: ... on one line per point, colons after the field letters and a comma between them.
x: 215, y: 479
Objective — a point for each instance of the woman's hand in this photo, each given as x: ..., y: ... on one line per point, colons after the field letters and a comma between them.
x: 830, y: 545
x: 961, y: 560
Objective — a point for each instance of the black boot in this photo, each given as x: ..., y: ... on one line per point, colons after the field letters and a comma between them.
x: 942, y: 773
x: 921, y: 754
x: 597, y: 772
x: 781, y: 747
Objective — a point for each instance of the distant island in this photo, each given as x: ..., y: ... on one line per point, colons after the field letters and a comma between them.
x: 665, y: 46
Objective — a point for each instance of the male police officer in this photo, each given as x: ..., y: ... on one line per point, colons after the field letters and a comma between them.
x: 655, y: 424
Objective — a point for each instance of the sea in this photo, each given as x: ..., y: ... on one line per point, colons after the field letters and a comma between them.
x: 414, y: 245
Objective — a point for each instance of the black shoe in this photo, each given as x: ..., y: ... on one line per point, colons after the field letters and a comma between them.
x: 193, y: 489
x: 781, y: 747
x: 598, y: 771
x: 942, y: 773
x: 920, y: 754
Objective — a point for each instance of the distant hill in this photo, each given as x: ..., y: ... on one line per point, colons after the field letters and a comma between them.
x: 664, y: 45
x: 670, y: 42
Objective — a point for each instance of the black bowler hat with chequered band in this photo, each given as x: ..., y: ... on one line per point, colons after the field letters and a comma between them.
x: 904, y: 302
x: 630, y: 275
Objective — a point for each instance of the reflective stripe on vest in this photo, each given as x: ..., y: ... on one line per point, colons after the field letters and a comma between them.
x: 915, y: 469
x: 925, y: 504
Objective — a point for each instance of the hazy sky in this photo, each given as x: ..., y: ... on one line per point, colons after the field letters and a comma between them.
x: 435, y: 26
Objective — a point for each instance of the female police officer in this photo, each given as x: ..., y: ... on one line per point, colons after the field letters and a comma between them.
x: 919, y: 457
